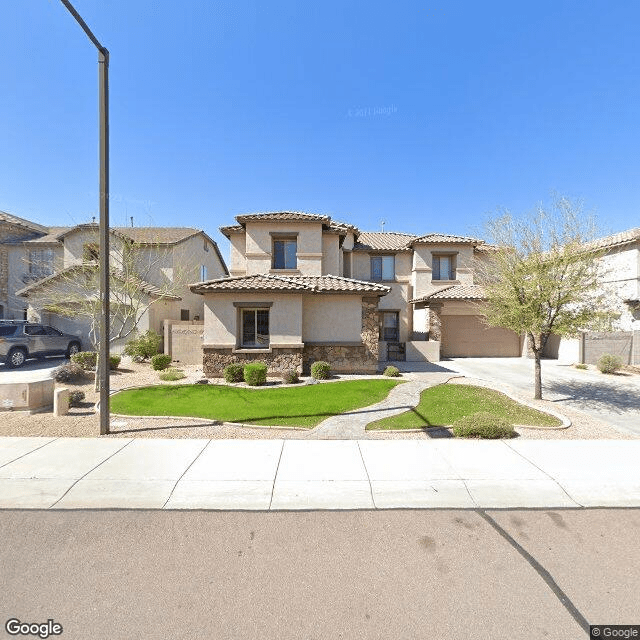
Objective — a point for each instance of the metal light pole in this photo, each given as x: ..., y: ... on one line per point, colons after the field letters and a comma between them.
x: 103, y: 359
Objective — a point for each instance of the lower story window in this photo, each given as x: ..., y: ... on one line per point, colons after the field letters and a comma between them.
x: 390, y: 326
x: 255, y: 328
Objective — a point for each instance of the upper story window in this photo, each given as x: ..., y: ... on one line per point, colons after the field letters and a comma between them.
x: 91, y: 252
x: 383, y: 268
x: 284, y: 253
x: 444, y: 267
x: 203, y: 272
x: 41, y: 262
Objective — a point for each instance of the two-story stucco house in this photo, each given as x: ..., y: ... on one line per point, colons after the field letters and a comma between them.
x: 304, y: 287
x: 42, y: 261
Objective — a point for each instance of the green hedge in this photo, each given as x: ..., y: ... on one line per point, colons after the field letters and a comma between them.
x: 608, y: 363
x: 483, y: 425
x: 255, y: 374
x: 290, y: 376
x: 320, y: 370
x: 145, y: 346
x: 86, y: 359
x: 233, y: 372
x: 392, y: 372
x: 160, y: 361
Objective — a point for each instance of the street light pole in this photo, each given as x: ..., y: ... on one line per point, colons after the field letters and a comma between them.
x: 103, y: 358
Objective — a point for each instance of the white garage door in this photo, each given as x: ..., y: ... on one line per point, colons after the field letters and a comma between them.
x: 467, y: 336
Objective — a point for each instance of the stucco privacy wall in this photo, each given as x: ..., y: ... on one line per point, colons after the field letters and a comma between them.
x: 183, y: 341
x: 620, y: 275
x: 221, y: 318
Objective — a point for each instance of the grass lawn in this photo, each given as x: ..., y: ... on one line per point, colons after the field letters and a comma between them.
x: 303, y: 406
x: 444, y: 404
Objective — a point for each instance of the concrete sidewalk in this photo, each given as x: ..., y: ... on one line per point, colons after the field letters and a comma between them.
x: 60, y: 473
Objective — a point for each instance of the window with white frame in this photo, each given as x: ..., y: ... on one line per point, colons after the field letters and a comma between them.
x: 255, y: 328
x: 383, y: 268
x: 443, y: 267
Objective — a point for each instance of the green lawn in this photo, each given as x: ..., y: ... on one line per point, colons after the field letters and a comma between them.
x: 303, y: 406
x: 444, y: 404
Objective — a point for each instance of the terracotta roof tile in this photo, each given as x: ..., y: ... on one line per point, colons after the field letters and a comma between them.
x: 298, y: 216
x: 454, y: 292
x: 21, y: 222
x: 325, y: 284
x: 615, y: 240
x: 443, y: 238
x: 383, y: 241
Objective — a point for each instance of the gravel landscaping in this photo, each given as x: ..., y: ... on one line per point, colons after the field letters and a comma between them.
x: 83, y: 421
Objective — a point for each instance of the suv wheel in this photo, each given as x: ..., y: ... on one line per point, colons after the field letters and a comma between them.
x: 16, y: 358
x: 72, y: 349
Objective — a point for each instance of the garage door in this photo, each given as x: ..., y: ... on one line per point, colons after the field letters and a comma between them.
x: 467, y: 336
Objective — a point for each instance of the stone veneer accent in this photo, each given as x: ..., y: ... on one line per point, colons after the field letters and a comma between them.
x: 215, y: 359
x: 4, y: 274
x: 343, y: 357
x: 435, y: 322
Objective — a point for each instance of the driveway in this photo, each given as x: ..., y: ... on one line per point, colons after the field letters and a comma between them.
x: 32, y: 370
x: 613, y: 399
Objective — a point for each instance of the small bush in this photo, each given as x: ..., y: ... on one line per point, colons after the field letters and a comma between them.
x: 76, y: 398
x: 160, y: 361
x: 143, y: 347
x: 482, y: 425
x: 320, y: 370
x: 609, y: 364
x: 86, y: 359
x: 114, y: 362
x: 580, y: 365
x: 255, y: 374
x: 170, y: 375
x: 392, y: 372
x: 290, y: 376
x: 70, y: 372
x: 234, y: 372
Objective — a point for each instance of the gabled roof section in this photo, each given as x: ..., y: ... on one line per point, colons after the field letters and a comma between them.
x: 9, y: 218
x: 293, y: 284
x: 455, y: 292
x: 139, y: 235
x: 140, y: 284
x: 443, y: 238
x: 383, y: 241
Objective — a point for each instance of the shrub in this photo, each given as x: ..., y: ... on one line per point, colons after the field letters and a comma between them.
x: 160, y: 361
x: 392, y: 372
x: 70, y: 372
x: 76, y: 398
x: 290, y: 376
x: 580, y: 365
x: 86, y: 359
x: 234, y: 372
x: 608, y: 363
x: 143, y: 347
x: 255, y: 374
x: 114, y: 362
x: 320, y: 370
x: 172, y: 374
x: 483, y: 425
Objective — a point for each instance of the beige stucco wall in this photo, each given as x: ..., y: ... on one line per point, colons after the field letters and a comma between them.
x: 237, y: 248
x: 332, y: 318
x: 331, y: 259
x: 620, y: 276
x: 221, y: 318
x: 423, y: 263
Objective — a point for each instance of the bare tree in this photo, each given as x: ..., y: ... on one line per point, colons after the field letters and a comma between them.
x: 140, y: 278
x: 542, y: 275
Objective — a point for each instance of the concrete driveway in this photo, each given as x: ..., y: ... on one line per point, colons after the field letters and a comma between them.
x: 32, y: 369
x: 615, y: 399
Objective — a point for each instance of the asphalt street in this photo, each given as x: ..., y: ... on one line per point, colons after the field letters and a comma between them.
x: 615, y: 399
x: 447, y: 574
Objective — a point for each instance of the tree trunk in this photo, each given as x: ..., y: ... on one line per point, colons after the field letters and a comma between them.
x: 537, y: 394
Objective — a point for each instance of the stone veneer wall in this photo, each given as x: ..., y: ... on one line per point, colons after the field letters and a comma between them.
x: 4, y: 274
x: 278, y: 360
x: 435, y: 322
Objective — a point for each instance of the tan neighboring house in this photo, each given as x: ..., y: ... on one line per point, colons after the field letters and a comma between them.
x: 40, y: 261
x: 304, y: 287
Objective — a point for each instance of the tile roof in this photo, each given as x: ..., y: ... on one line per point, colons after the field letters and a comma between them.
x: 323, y: 284
x: 233, y: 228
x: 141, y: 285
x: 454, y: 292
x: 443, y: 238
x: 21, y: 222
x: 140, y: 235
x: 49, y: 238
x: 615, y: 240
x: 298, y: 216
x: 383, y: 241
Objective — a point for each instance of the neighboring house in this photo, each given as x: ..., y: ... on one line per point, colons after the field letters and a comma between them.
x: 304, y: 287
x: 48, y: 259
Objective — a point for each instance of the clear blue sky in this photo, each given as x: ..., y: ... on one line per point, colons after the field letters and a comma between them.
x: 429, y: 115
